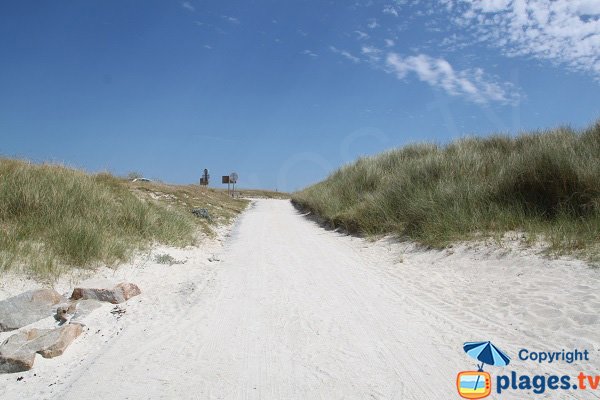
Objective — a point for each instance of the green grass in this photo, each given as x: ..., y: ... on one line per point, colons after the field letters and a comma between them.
x: 262, y: 194
x: 53, y: 218
x: 221, y: 207
x: 167, y: 259
x: 546, y: 184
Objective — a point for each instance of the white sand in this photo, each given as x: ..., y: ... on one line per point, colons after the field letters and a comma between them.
x: 293, y: 311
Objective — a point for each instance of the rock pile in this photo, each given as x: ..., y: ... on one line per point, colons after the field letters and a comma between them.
x: 17, y: 353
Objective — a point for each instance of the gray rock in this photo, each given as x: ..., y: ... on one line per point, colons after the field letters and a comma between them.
x: 75, y: 311
x: 120, y: 293
x: 27, y: 308
x: 85, y: 308
x: 202, y: 213
x: 17, y: 353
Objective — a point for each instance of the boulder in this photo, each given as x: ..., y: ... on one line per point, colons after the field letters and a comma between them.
x: 120, y: 293
x: 27, y: 308
x: 75, y: 310
x: 51, y: 343
x: 17, y: 353
x: 84, y: 308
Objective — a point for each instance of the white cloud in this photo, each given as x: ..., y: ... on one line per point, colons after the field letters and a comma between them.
x: 494, y: 5
x: 372, y: 24
x: 310, y: 53
x: 344, y: 54
x: 188, y: 6
x: 389, y: 42
x: 372, y: 53
x: 233, y: 20
x: 472, y: 84
x: 565, y: 32
x: 370, y: 50
x: 390, y: 10
x: 361, y: 35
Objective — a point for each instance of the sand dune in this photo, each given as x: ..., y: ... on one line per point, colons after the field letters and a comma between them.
x: 292, y: 311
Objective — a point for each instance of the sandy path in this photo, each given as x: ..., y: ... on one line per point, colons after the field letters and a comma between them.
x: 293, y: 311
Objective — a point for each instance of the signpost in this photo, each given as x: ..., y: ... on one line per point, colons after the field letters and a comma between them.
x: 230, y: 179
x: 233, y: 177
x: 204, y: 178
x: 225, y: 179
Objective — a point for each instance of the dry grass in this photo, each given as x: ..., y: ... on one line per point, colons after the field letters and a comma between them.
x: 221, y: 207
x: 546, y: 184
x: 262, y: 194
x: 53, y: 218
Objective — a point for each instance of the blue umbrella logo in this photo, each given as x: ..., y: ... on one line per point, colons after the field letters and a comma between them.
x: 486, y: 353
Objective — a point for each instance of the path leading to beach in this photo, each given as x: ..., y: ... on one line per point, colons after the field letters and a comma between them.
x: 293, y: 311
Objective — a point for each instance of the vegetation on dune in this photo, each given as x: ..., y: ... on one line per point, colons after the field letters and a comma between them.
x: 262, y: 194
x: 220, y: 206
x: 54, y: 218
x: 546, y: 184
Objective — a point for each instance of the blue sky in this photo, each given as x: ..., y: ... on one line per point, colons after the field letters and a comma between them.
x: 283, y: 92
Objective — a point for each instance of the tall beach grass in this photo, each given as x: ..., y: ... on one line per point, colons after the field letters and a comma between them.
x: 546, y: 184
x: 54, y: 218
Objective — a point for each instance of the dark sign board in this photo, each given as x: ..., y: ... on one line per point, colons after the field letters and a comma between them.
x: 225, y: 179
x: 204, y: 178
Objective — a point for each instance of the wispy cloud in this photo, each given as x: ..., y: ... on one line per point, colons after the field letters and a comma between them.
x: 231, y: 19
x: 372, y: 53
x: 389, y: 42
x: 370, y: 50
x: 372, y: 23
x: 472, y: 84
x: 361, y: 35
x: 345, y: 54
x: 310, y: 53
x: 565, y: 32
x: 390, y: 10
x: 188, y: 6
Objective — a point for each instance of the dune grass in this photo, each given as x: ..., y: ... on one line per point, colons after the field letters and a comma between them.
x: 221, y: 207
x: 262, y: 194
x: 54, y: 218
x: 546, y: 184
